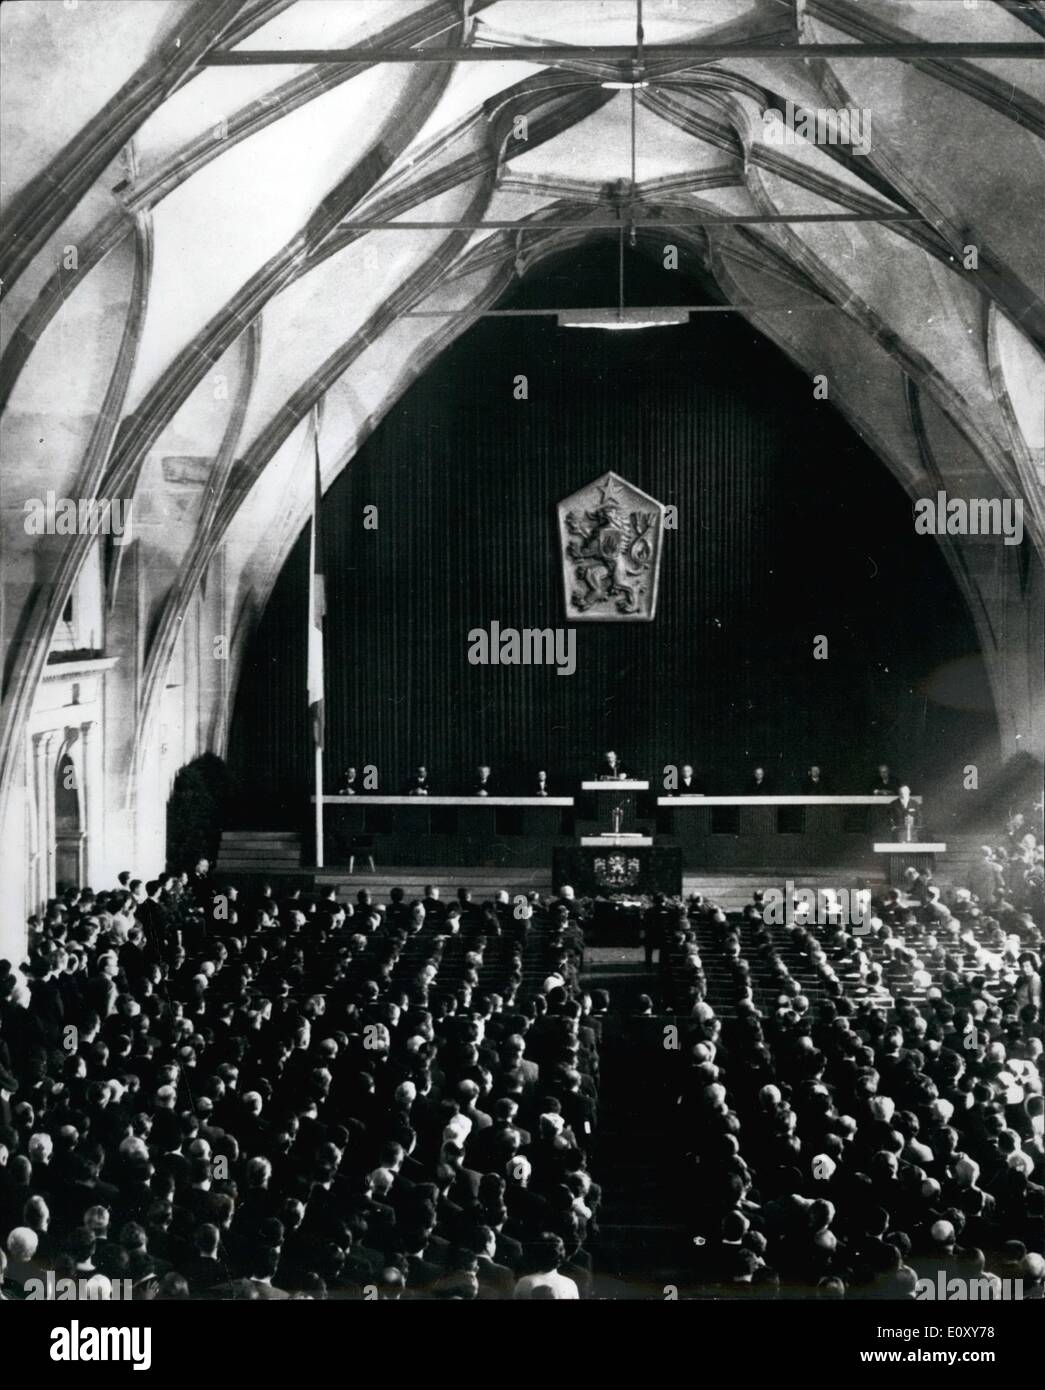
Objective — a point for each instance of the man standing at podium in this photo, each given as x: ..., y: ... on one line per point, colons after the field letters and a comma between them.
x: 905, y: 816
x: 610, y: 769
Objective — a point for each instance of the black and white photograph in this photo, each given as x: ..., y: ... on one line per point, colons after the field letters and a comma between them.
x: 523, y: 678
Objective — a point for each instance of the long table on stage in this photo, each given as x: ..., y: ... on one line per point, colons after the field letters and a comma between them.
x: 467, y: 830
x: 712, y: 833
x: 771, y: 832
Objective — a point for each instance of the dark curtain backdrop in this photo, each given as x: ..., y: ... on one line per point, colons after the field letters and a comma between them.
x: 788, y: 528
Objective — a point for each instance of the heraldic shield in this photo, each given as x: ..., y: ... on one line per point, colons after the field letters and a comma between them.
x: 610, y: 536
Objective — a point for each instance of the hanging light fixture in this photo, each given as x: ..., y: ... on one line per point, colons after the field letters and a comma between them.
x: 631, y: 318
x: 650, y: 317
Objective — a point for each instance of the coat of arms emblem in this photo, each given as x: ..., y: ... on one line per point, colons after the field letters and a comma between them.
x: 610, y: 535
x: 618, y: 871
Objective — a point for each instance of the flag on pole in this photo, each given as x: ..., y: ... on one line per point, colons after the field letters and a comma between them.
x: 317, y: 607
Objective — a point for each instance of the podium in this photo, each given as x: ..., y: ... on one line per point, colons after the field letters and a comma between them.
x: 615, y: 800
x: 901, y: 855
x: 619, y: 860
x: 612, y: 841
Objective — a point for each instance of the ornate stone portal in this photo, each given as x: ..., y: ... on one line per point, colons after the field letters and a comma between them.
x: 610, y: 535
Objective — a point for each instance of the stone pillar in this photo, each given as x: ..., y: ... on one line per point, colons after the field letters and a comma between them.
x: 89, y: 844
x: 44, y: 797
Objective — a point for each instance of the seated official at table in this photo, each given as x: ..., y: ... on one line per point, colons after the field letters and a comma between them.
x: 480, y: 784
x: 688, y: 783
x: 902, y: 809
x: 348, y: 783
x: 610, y: 769
x: 884, y: 783
x: 758, y: 783
x: 538, y: 783
x: 813, y: 783
x: 418, y: 784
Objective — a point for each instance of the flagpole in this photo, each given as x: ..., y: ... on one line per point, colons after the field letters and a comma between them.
x: 318, y: 744
x: 319, y: 808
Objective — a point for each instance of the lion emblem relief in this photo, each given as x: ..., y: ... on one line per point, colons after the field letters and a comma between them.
x: 610, y: 533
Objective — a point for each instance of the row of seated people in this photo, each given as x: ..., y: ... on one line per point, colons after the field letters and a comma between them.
x: 859, y: 1116
x: 678, y: 779
x: 215, y: 1095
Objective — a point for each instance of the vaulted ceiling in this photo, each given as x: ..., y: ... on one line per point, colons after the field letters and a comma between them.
x: 196, y: 248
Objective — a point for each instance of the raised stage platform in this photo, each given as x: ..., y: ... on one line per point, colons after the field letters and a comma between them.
x: 243, y: 860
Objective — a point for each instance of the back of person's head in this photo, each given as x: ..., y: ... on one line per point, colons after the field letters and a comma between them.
x: 746, y: 1264
x: 133, y: 1236
x: 207, y: 1239
x: 37, y: 1213
x: 942, y: 1233
x: 265, y: 1262
x: 172, y: 1286
x: 734, y: 1226
x: 258, y: 1171
x: 549, y: 1253
x: 22, y: 1244
x: 80, y: 1244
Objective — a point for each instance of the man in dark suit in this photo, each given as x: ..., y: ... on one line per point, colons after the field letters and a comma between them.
x: 200, y: 883
x: 435, y: 908
x: 471, y: 913
x: 883, y: 783
x: 481, y: 783
x: 526, y: 1208
x: 758, y: 783
x: 688, y: 783
x: 348, y: 785
x: 22, y: 1262
x: 905, y: 815
x: 610, y: 769
x: 514, y: 1059
x: 495, y: 1280
x: 422, y: 1272
x: 204, y: 1268
x: 654, y: 925
x: 463, y: 1183
x: 153, y: 918
x: 813, y: 783
x: 418, y: 784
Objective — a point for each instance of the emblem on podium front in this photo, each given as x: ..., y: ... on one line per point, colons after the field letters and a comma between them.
x: 610, y: 535
x: 617, y: 871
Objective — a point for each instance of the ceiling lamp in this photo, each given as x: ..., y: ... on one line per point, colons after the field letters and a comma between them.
x: 621, y: 318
